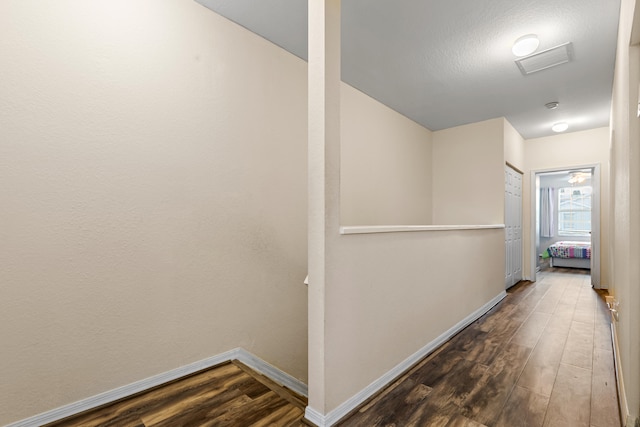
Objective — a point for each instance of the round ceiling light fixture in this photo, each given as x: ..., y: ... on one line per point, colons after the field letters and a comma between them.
x: 560, y: 127
x: 525, y: 45
x: 552, y: 105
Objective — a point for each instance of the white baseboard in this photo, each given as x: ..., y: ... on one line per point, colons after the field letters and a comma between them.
x: 341, y: 411
x: 315, y: 417
x: 262, y: 367
x: 622, y: 395
x: 240, y: 354
x: 273, y: 373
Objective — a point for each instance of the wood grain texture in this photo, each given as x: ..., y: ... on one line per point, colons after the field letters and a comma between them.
x: 604, y: 405
x: 578, y: 350
x: 488, y: 397
x: 531, y: 330
x: 523, y: 409
x: 461, y: 421
x: 541, y: 357
x: 549, y: 302
x: 530, y: 361
x: 227, y: 395
x: 570, y: 402
x: 539, y: 374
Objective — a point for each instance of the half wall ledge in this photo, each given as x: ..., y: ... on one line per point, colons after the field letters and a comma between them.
x: 370, y: 229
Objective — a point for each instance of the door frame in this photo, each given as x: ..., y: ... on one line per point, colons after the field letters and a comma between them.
x: 520, y: 254
x: 595, y: 218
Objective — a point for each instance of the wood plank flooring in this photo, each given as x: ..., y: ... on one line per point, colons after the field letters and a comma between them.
x: 229, y: 395
x: 542, y: 357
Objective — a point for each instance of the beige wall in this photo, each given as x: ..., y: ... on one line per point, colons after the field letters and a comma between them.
x: 513, y: 147
x: 390, y: 294
x: 152, y: 220
x: 376, y: 299
x: 153, y: 187
x: 564, y: 151
x: 625, y: 200
x: 468, y: 174
x: 153, y: 172
x: 386, y: 164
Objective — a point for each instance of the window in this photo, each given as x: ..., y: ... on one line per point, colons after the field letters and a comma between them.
x: 574, y: 211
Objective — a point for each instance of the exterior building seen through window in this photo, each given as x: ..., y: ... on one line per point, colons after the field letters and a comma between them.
x: 574, y: 211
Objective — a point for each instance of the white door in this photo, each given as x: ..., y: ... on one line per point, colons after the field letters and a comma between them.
x: 513, y: 226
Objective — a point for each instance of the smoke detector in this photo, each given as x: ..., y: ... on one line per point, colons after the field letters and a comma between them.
x: 552, y: 105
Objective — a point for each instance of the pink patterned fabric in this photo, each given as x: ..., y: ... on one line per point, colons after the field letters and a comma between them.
x: 570, y: 250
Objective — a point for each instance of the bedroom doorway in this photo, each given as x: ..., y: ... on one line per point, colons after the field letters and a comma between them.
x: 566, y: 207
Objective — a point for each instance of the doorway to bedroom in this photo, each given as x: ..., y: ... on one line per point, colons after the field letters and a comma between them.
x: 567, y: 220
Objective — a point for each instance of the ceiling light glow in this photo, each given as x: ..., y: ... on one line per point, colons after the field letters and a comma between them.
x: 578, y: 177
x: 525, y: 45
x: 560, y: 127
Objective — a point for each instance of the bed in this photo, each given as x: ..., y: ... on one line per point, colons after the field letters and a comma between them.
x: 570, y: 254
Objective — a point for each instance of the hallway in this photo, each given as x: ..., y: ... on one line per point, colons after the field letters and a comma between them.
x: 542, y: 357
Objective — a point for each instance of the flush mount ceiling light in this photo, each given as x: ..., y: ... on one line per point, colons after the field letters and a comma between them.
x: 525, y: 45
x: 560, y: 127
x: 578, y: 177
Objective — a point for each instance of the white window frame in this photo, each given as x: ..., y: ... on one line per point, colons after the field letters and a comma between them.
x: 571, y: 233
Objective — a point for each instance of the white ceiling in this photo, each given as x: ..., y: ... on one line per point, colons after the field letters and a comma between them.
x: 445, y: 63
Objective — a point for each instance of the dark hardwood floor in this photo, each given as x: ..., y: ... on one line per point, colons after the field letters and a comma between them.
x: 542, y: 357
x: 229, y: 395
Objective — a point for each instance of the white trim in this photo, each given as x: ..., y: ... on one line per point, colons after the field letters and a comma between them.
x: 368, y: 229
x: 595, y: 222
x: 273, y: 373
x: 341, y: 411
x: 315, y: 417
x: 533, y: 218
x: 622, y: 394
x: 596, y: 225
x: 92, y: 402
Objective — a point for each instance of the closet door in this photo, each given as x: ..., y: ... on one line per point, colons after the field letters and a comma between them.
x: 513, y: 226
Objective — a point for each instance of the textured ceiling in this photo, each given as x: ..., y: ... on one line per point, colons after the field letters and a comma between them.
x: 444, y: 63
